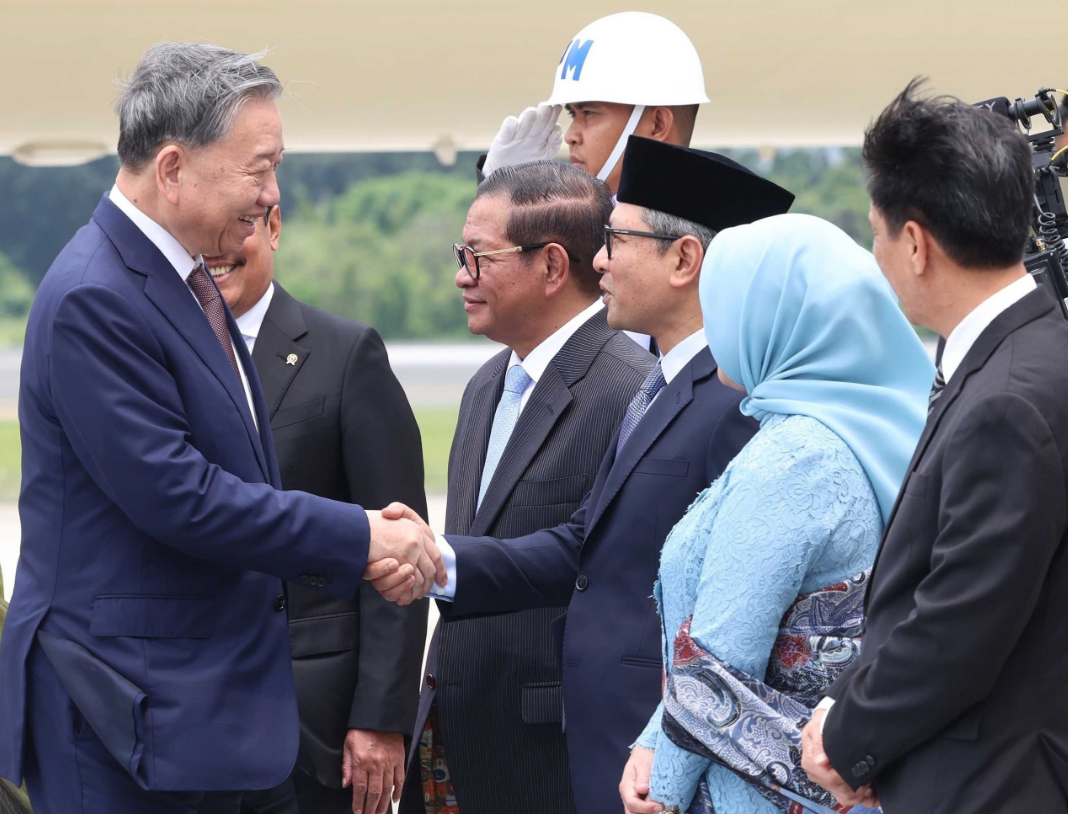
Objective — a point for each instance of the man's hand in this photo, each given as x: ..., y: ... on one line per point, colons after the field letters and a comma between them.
x: 373, y: 763
x: 819, y: 769
x: 400, y: 583
x: 634, y: 787
x: 396, y: 543
x: 534, y: 136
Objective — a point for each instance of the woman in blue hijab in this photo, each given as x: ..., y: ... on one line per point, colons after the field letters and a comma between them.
x: 762, y: 581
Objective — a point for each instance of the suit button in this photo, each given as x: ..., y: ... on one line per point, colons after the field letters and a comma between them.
x: 321, y: 582
x: 430, y: 682
x: 280, y: 602
x: 582, y: 583
x: 871, y: 762
x: 304, y: 579
x: 860, y: 770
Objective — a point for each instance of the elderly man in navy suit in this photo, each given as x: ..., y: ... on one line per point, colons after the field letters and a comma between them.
x: 145, y: 659
x: 678, y: 434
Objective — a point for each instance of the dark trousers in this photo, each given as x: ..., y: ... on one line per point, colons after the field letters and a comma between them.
x: 300, y: 794
x: 69, y: 771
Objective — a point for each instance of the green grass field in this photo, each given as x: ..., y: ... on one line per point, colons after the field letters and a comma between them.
x: 10, y: 460
x: 435, y: 423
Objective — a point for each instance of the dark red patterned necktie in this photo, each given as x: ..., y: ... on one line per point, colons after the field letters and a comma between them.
x: 215, y: 310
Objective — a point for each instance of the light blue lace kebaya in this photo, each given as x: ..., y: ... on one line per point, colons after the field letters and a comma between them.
x: 800, y: 316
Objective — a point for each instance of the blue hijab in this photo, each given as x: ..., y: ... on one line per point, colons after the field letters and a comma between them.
x: 800, y: 315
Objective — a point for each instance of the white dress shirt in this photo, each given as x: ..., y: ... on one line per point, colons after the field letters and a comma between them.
x: 958, y: 343
x: 961, y: 339
x: 671, y: 364
x: 180, y: 259
x: 249, y: 323
x: 539, y: 358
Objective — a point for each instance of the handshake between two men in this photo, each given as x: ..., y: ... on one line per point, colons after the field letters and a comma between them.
x: 403, y: 561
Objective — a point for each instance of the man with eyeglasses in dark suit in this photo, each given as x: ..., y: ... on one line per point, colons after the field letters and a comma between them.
x: 534, y: 424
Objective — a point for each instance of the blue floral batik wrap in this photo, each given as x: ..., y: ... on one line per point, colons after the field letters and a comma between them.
x: 754, y: 727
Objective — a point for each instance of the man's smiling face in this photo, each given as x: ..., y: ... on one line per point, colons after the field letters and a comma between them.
x: 243, y: 277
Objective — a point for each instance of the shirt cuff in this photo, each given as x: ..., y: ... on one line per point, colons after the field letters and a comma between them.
x: 448, y: 555
x: 826, y: 704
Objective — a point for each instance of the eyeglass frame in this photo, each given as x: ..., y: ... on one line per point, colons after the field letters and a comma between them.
x: 459, y: 254
x: 609, y: 231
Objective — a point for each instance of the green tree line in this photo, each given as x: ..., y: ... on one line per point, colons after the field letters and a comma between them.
x: 366, y: 236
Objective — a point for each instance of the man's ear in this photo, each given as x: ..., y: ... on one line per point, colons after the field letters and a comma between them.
x: 689, y: 255
x: 663, y: 123
x: 919, y: 243
x: 557, y: 269
x: 169, y: 164
x: 274, y: 226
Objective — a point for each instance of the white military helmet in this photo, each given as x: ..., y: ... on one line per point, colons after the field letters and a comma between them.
x: 630, y: 58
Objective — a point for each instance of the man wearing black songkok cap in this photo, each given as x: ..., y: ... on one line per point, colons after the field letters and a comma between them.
x: 679, y: 433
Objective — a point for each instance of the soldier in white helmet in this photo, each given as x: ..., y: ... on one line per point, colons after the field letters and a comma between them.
x: 631, y: 73
x: 628, y: 73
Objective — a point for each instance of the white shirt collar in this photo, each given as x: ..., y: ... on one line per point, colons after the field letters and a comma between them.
x: 174, y: 251
x: 961, y: 339
x: 538, y: 359
x: 250, y: 322
x: 672, y: 362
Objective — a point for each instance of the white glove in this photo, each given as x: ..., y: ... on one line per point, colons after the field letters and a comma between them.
x: 534, y: 136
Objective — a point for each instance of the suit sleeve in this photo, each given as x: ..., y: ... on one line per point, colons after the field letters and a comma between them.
x: 732, y: 432
x: 383, y: 458
x: 535, y: 571
x: 1000, y: 520
x: 121, y: 409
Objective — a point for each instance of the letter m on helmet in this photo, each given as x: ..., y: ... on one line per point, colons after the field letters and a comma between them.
x: 574, y: 58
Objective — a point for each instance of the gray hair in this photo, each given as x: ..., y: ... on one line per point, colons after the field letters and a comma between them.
x: 189, y: 93
x: 667, y: 224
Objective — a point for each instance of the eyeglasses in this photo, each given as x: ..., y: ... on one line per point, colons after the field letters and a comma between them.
x: 267, y: 215
x: 467, y: 258
x: 609, y: 231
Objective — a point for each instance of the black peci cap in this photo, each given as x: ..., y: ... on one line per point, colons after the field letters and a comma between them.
x: 696, y: 185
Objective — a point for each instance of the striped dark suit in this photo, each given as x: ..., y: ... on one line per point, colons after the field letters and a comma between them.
x: 496, y: 679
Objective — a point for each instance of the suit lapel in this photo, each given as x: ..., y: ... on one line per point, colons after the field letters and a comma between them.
x: 1034, y: 305
x: 671, y: 401
x: 548, y: 401
x: 473, y: 429
x: 175, y: 300
x: 277, y: 354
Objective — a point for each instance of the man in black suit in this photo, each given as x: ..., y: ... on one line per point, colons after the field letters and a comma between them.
x: 956, y: 702
x: 343, y: 429
x: 679, y: 433
x: 534, y: 424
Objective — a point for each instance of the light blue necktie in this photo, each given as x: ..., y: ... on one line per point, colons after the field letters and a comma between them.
x: 515, y: 384
x: 652, y: 385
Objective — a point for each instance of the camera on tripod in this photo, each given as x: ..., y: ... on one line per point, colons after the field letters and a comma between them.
x: 1042, y: 121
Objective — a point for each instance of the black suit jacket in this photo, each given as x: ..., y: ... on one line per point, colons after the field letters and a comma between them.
x: 343, y: 429
x: 956, y: 703
x: 496, y: 679
x: 603, y: 562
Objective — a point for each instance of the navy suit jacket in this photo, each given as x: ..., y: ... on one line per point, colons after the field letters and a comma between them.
x: 154, y: 537
x: 603, y: 563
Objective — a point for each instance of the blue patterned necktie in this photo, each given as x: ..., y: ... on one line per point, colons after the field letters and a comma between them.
x: 936, y: 389
x: 652, y: 385
x: 515, y: 384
